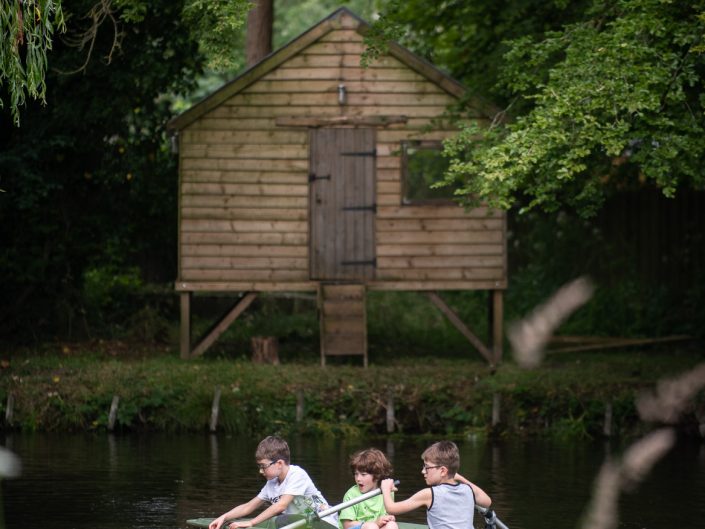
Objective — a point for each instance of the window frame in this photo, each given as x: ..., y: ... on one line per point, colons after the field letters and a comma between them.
x: 405, y: 200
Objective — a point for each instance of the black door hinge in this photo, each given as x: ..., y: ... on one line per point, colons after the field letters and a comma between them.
x: 312, y: 177
x: 372, y: 208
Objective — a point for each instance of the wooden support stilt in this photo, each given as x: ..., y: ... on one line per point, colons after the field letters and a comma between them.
x: 215, y: 410
x: 458, y: 323
x: 185, y: 330
x: 9, y: 409
x: 607, y: 427
x: 496, y: 409
x: 223, y: 324
x: 299, y: 405
x: 112, y: 416
x: 390, y: 412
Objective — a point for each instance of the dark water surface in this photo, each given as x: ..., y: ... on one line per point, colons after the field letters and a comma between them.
x: 158, y: 481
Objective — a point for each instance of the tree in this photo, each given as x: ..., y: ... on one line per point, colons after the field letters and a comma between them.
x: 612, y: 99
x: 260, y: 21
x: 30, y: 26
x: 90, y: 192
x: 27, y: 28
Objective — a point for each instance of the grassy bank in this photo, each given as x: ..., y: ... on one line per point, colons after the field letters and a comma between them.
x: 565, y: 397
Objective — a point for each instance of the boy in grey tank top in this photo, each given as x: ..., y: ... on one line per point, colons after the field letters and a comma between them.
x: 449, y: 499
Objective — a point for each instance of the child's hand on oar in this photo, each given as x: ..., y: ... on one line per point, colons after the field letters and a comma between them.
x: 387, y: 485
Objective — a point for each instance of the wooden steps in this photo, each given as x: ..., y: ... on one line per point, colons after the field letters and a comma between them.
x: 343, y: 320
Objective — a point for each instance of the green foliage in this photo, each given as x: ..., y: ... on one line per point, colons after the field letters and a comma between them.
x: 27, y: 30
x: 616, y: 98
x: 107, y: 286
x: 89, y: 178
x: 563, y: 398
x: 547, y: 250
x: 599, y: 95
x: 216, y: 24
x: 408, y: 321
x: 469, y: 39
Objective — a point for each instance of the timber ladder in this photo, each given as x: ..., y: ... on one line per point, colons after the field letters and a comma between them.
x: 343, y: 320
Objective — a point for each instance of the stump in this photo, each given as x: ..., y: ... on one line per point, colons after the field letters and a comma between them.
x: 265, y: 350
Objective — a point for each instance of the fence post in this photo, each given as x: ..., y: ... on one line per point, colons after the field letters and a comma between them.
x: 496, y: 405
x: 607, y: 427
x: 390, y: 412
x: 299, y: 405
x: 112, y: 416
x: 215, y: 410
x: 9, y: 409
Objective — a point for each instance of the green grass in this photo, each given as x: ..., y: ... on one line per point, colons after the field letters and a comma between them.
x: 565, y: 397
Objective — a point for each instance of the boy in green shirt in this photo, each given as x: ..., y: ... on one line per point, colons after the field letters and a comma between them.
x: 369, y: 467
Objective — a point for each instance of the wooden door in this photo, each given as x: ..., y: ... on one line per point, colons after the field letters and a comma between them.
x: 342, y: 204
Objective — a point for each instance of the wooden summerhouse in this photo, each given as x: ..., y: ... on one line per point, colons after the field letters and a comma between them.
x: 308, y: 172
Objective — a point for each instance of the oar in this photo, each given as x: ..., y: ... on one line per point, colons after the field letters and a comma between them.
x: 483, y: 511
x: 336, y: 508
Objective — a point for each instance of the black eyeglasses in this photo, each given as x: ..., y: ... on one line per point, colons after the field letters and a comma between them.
x: 264, y: 467
x: 426, y: 468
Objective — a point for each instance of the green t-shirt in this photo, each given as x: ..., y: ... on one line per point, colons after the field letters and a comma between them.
x: 366, y: 511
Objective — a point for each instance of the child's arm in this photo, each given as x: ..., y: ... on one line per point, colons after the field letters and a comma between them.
x: 237, y: 512
x: 422, y: 498
x: 481, y: 497
x: 270, y: 512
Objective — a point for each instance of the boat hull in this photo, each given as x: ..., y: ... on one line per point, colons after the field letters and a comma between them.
x: 269, y: 524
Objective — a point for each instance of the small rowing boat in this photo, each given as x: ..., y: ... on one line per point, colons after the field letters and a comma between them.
x: 313, y: 520
x: 269, y: 524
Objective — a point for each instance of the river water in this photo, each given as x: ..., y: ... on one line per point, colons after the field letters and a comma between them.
x: 158, y: 481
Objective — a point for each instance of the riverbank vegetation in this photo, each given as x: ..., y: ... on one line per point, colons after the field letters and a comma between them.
x: 567, y: 397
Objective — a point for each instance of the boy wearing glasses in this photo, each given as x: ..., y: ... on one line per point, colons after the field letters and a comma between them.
x: 284, y: 482
x: 450, y: 498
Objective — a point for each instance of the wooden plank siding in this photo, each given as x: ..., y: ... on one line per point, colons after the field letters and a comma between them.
x: 244, y: 212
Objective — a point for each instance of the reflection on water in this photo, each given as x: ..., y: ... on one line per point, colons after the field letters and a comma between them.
x: 158, y: 481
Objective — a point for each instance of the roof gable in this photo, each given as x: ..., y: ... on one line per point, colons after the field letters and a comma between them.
x: 342, y: 18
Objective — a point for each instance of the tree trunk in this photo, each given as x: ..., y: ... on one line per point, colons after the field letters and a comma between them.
x: 259, y: 31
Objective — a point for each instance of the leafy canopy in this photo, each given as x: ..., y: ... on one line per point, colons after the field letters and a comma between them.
x: 27, y: 29
x: 612, y: 98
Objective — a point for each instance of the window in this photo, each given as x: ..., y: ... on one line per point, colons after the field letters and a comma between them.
x: 423, y: 164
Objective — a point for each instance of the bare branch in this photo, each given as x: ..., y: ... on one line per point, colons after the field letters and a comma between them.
x: 671, y: 397
x: 529, y: 336
x: 617, y: 476
x: 98, y: 14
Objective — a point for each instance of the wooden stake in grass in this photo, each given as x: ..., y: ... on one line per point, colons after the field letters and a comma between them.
x: 112, y: 416
x: 215, y: 410
x: 9, y: 409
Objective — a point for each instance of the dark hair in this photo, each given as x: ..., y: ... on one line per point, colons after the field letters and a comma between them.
x: 373, y: 462
x: 273, y: 448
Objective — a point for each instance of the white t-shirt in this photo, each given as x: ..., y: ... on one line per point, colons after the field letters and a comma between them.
x: 296, y: 483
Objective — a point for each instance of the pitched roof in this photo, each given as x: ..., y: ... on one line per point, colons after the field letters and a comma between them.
x: 341, y: 18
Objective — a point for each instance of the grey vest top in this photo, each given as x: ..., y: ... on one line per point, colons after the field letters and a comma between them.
x: 452, y: 507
